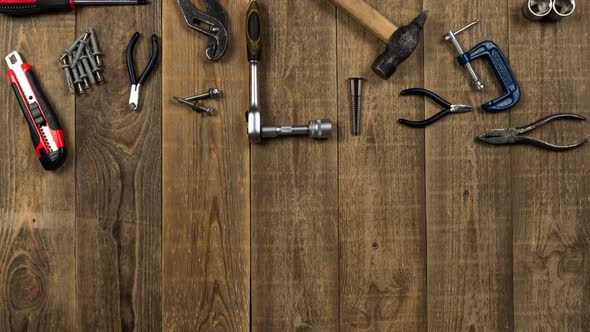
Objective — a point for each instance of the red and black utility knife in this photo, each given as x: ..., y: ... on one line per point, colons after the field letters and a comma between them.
x: 47, y: 135
x: 33, y: 7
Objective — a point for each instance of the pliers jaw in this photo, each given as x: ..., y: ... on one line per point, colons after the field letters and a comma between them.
x: 461, y: 108
x: 215, y: 19
x: 499, y: 136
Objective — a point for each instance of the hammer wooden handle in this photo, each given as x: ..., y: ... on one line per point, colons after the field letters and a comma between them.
x: 369, y: 17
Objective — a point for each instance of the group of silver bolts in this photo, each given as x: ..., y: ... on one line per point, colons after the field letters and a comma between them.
x: 194, y: 101
x: 82, y: 63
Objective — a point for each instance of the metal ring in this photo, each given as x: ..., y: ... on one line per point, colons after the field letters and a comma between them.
x: 537, y: 9
x: 562, y: 8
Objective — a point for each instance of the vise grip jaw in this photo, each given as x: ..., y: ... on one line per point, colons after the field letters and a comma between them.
x: 503, y: 72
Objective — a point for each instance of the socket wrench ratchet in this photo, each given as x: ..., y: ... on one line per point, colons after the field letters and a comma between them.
x: 46, y: 133
x: 256, y: 131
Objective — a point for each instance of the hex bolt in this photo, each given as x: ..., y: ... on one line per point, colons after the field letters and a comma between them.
x: 95, y: 69
x: 196, y: 107
x: 72, y: 48
x: 81, y: 47
x: 68, y: 73
x: 451, y: 36
x: 84, y: 61
x: 83, y: 75
x: 356, y: 90
x: 211, y: 94
x: 96, y: 52
x: 77, y: 80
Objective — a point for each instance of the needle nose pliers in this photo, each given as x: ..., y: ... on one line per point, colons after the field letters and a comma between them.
x: 137, y: 83
x: 509, y: 136
x: 448, y: 108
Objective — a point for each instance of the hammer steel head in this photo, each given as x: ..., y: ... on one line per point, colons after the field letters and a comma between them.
x: 401, y: 45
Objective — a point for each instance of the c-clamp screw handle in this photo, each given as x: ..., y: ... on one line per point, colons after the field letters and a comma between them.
x: 451, y: 36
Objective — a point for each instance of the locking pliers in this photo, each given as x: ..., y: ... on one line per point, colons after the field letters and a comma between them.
x: 215, y: 20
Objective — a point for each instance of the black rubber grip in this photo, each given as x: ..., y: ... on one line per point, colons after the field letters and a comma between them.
x: 427, y: 122
x: 42, y: 100
x: 254, y: 32
x: 41, y: 6
x: 23, y: 106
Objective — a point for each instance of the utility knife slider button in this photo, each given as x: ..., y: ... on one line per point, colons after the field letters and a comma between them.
x: 36, y: 113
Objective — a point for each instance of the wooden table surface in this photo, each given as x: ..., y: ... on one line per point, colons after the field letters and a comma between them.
x: 166, y: 219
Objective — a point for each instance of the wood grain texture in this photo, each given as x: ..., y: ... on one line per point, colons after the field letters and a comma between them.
x: 551, y: 201
x: 206, y: 241
x: 37, y: 215
x: 294, y: 180
x: 118, y: 172
x: 381, y: 186
x: 370, y: 17
x: 168, y: 220
x: 468, y: 185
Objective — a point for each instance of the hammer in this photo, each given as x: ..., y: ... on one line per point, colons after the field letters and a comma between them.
x: 401, y: 42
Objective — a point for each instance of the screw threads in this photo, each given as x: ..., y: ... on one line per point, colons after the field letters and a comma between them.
x: 476, y: 82
x: 458, y: 47
x: 356, y: 116
x: 451, y: 37
x: 356, y: 86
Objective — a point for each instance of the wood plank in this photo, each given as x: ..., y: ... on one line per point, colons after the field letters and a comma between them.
x: 381, y: 186
x: 551, y: 198
x: 294, y: 180
x: 37, y: 215
x: 206, y: 228
x: 118, y: 235
x: 468, y: 185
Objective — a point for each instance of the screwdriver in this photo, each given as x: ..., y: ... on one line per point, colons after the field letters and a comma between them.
x: 33, y: 7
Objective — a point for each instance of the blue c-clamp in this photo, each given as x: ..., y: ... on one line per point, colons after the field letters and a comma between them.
x: 504, y: 74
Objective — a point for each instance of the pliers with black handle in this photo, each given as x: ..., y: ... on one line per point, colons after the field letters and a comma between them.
x: 136, y: 83
x: 448, y: 108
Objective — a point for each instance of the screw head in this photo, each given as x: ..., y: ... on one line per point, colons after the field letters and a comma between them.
x: 214, y: 93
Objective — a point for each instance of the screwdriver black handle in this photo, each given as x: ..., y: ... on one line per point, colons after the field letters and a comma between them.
x: 33, y: 7
x: 254, y: 32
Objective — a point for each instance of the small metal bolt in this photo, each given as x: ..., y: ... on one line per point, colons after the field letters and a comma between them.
x: 96, y: 52
x: 83, y: 75
x: 81, y: 46
x: 211, y: 94
x: 196, y: 107
x: 86, y: 64
x: 72, y: 48
x: 77, y: 80
x: 68, y: 73
x: 95, y: 69
x: 356, y: 86
x: 451, y: 36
